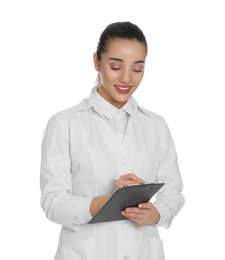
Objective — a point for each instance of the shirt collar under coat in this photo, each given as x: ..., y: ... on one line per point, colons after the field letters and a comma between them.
x: 104, y: 108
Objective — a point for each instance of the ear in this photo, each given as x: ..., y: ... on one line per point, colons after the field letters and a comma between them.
x: 96, y: 62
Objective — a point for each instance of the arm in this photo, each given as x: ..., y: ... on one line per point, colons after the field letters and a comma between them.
x: 169, y: 199
x: 97, y: 203
x: 124, y: 180
x: 57, y: 201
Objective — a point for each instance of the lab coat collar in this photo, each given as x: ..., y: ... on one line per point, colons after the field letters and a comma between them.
x: 102, y: 106
x: 105, y: 108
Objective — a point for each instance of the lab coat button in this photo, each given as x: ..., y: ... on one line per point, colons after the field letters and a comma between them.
x: 126, y: 257
x: 124, y: 162
x: 125, y: 225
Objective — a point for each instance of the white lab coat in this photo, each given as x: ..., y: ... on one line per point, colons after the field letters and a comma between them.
x: 81, y: 158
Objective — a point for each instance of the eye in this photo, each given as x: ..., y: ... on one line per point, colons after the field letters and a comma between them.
x: 113, y: 68
x: 137, y: 70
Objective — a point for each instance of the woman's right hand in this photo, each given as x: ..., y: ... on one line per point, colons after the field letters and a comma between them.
x: 124, y: 180
x: 127, y: 179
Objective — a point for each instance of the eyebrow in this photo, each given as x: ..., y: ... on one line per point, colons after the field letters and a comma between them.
x: 120, y: 60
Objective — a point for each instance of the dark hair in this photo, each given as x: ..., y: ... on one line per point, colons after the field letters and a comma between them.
x: 122, y: 30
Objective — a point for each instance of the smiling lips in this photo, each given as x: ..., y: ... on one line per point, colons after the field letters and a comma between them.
x: 123, y: 89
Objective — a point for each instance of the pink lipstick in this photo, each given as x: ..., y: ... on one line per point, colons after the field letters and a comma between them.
x: 123, y: 89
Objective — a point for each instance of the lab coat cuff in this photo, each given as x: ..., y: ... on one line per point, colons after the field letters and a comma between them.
x: 82, y: 214
x: 165, y: 214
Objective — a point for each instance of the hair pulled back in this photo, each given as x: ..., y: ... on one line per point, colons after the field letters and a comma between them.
x: 122, y: 30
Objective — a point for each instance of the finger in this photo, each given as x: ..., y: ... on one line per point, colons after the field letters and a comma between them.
x: 136, y: 179
x: 132, y: 176
x: 132, y: 216
x: 121, y: 184
x: 134, y: 210
x: 147, y: 205
x: 136, y: 213
x: 130, y: 182
x: 139, y: 221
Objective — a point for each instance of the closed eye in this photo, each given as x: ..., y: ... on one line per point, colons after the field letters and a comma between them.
x: 138, y: 68
x: 113, y: 68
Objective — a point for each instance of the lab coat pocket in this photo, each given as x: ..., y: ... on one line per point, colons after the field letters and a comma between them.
x: 156, y: 249
x: 76, y: 245
x: 79, y: 250
x: 149, y: 245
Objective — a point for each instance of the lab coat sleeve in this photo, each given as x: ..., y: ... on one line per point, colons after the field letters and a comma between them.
x: 169, y: 199
x: 57, y: 201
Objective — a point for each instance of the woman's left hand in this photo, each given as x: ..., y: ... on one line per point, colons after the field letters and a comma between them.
x: 144, y: 214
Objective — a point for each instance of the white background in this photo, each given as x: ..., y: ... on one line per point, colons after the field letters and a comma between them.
x: 46, y: 50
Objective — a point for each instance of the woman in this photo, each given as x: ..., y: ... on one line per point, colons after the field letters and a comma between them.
x: 104, y: 143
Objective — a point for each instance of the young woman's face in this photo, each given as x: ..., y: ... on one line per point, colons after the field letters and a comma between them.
x: 121, y: 70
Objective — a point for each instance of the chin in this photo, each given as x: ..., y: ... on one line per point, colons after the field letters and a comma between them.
x: 122, y: 100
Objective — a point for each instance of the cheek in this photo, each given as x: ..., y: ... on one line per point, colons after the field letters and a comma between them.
x: 109, y: 75
x: 138, y: 78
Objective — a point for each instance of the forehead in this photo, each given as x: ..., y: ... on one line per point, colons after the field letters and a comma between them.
x: 125, y: 49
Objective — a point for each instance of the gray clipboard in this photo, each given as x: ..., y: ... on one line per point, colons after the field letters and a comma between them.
x: 129, y: 196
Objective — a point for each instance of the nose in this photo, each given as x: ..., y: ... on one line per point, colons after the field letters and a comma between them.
x: 125, y: 76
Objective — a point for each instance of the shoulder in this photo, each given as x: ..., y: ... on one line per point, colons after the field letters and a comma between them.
x: 151, y: 116
x: 65, y: 117
x: 153, y: 119
x: 83, y: 106
x: 145, y: 114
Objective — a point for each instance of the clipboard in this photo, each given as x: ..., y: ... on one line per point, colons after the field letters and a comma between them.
x: 128, y: 196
